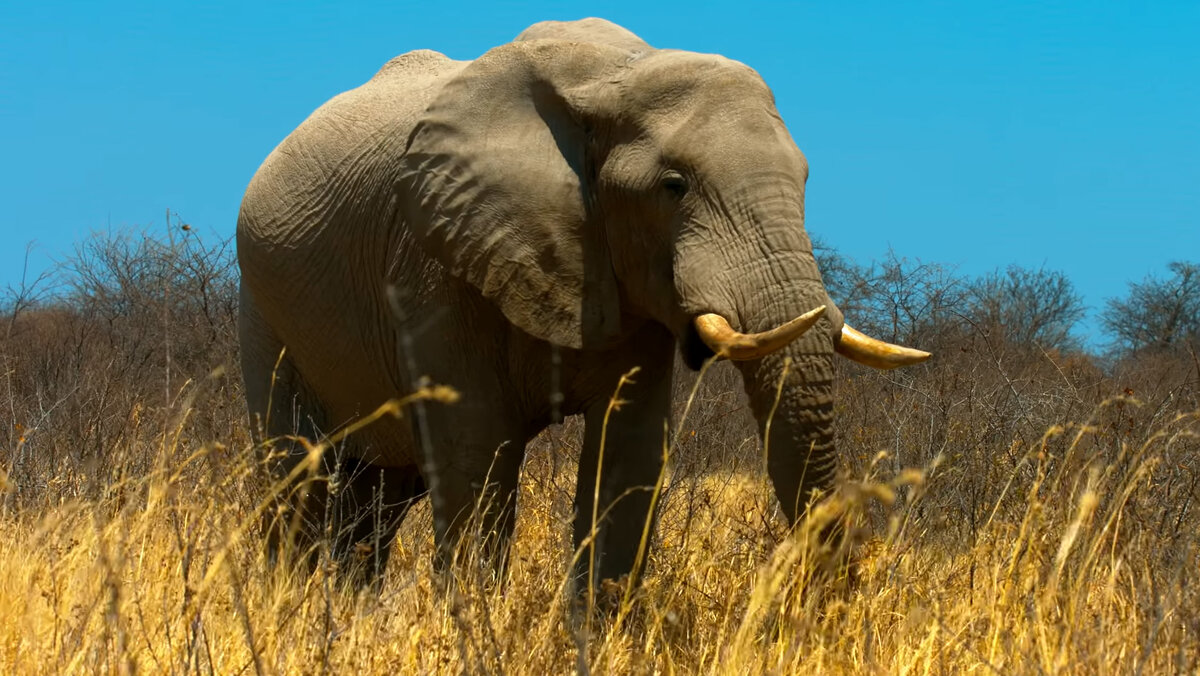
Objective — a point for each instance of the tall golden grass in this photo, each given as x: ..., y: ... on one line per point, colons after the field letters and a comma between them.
x: 162, y: 573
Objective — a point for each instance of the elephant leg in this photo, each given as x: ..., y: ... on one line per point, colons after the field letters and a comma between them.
x: 469, y: 451
x: 475, y: 509
x: 367, y: 505
x: 282, y: 411
x: 294, y: 527
x: 628, y: 453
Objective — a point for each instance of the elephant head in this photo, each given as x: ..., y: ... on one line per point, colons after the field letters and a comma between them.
x: 586, y: 188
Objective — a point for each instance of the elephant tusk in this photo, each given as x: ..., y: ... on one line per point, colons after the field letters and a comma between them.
x: 720, y: 337
x: 858, y: 346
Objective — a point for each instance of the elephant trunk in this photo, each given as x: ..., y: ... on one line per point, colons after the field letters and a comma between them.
x: 794, y: 410
x: 795, y: 418
x: 766, y: 283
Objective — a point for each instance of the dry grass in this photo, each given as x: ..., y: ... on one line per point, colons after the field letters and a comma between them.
x: 161, y: 573
x: 1013, y: 510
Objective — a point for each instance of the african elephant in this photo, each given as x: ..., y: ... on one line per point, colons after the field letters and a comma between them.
x: 526, y: 228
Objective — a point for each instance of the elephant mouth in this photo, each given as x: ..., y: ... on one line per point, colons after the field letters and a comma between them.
x: 692, y: 348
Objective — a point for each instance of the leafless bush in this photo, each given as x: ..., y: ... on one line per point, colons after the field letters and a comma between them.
x: 1157, y: 315
x: 137, y: 322
x: 991, y: 418
x: 1026, y: 307
x: 910, y: 301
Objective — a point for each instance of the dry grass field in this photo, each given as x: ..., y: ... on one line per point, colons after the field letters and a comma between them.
x: 1012, y: 510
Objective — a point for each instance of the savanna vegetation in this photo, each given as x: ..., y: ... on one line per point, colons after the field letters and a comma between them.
x: 1025, y: 502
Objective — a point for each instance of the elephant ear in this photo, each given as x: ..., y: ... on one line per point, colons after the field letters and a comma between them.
x: 495, y: 183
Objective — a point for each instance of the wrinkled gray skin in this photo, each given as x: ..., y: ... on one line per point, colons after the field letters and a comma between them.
x: 574, y: 197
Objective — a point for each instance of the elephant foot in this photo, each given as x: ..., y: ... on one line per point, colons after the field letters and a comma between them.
x: 347, y: 517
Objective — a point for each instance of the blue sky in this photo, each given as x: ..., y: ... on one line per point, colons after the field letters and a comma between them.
x: 1063, y: 134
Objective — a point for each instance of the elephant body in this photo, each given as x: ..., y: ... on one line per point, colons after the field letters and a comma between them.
x: 525, y: 228
x: 342, y: 347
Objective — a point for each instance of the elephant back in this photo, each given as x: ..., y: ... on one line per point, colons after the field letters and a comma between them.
x: 302, y: 187
x: 593, y: 30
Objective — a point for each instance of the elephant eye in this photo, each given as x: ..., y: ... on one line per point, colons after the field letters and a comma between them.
x: 674, y: 183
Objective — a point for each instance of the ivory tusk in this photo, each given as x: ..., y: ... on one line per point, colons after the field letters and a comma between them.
x: 858, y: 346
x: 720, y: 337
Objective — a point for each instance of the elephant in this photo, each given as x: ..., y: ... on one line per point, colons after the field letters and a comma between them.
x: 528, y: 228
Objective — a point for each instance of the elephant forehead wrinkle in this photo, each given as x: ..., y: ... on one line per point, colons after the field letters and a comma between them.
x: 694, y: 126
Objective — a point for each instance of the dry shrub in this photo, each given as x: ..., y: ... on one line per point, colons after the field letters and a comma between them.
x: 137, y: 326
